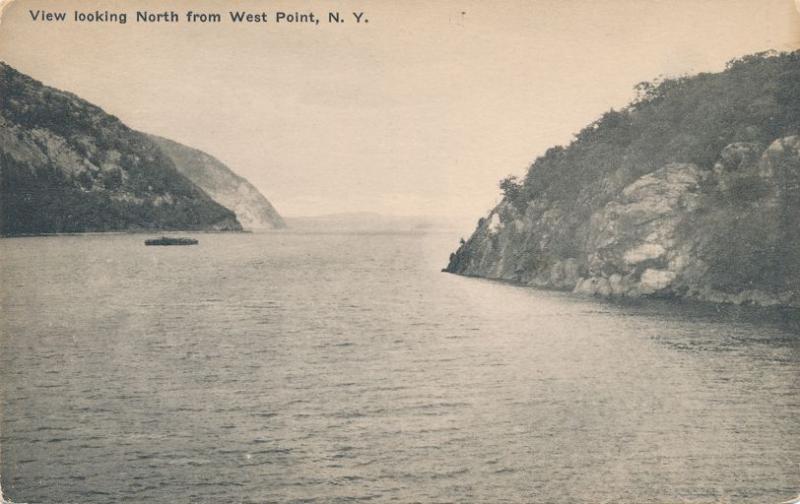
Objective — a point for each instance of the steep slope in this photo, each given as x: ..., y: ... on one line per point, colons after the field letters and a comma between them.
x: 692, y: 191
x: 67, y: 166
x: 229, y: 189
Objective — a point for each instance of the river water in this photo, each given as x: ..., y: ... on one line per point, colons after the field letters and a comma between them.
x: 292, y: 367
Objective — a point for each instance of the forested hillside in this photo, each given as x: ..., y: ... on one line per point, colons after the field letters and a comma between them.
x: 693, y: 190
x: 67, y: 166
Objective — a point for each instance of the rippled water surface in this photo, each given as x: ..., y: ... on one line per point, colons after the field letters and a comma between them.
x: 290, y: 367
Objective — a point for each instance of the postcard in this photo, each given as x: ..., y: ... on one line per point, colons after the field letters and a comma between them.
x: 518, y: 251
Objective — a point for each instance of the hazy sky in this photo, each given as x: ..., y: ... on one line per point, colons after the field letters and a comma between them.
x: 420, y: 111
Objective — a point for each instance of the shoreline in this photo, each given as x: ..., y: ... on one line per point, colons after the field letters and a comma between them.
x: 774, y: 309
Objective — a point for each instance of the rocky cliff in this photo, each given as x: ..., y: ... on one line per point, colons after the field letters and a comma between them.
x: 693, y: 191
x: 252, y: 209
x: 67, y: 166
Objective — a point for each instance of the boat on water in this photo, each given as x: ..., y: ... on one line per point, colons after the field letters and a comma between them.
x: 167, y: 240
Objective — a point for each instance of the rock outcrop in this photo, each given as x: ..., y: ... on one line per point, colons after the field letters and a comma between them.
x: 252, y: 209
x: 67, y: 166
x: 725, y: 230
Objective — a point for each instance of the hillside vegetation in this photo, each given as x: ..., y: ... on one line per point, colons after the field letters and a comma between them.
x: 67, y: 166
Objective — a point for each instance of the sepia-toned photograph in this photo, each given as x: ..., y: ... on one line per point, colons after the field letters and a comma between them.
x: 384, y: 251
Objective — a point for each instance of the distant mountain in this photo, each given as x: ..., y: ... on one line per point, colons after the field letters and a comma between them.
x: 692, y: 191
x: 67, y: 166
x: 367, y: 221
x: 227, y: 188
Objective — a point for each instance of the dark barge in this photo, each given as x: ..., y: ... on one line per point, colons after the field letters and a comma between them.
x: 166, y: 240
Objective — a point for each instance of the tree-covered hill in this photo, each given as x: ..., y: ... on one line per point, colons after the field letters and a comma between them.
x: 694, y: 184
x: 67, y: 166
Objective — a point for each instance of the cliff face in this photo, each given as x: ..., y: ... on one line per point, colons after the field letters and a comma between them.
x: 722, y: 227
x: 67, y: 166
x: 252, y: 209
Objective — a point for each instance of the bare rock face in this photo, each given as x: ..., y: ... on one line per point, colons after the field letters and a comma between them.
x: 252, y: 209
x: 67, y: 166
x: 634, y: 236
x: 730, y: 234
